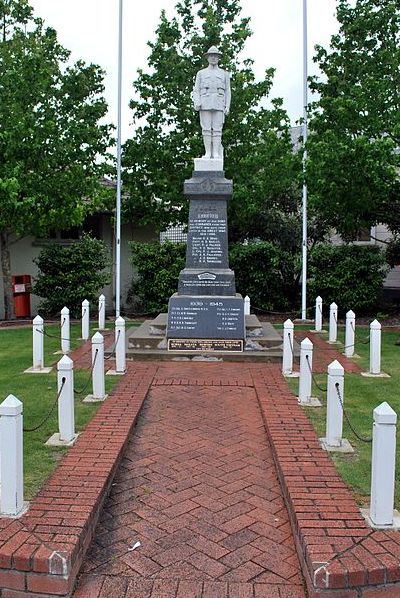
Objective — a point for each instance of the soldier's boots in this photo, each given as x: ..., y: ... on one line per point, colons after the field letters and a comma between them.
x: 207, y: 145
x: 217, y: 146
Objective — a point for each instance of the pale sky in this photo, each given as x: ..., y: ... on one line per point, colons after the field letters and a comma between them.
x: 89, y: 28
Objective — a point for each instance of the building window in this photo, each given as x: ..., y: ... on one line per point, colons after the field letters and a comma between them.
x: 174, y: 234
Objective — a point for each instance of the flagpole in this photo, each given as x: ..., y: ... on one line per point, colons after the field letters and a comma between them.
x: 119, y: 180
x: 305, y: 190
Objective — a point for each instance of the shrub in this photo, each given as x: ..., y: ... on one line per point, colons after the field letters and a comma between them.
x: 349, y: 275
x: 262, y: 271
x: 68, y: 274
x: 393, y: 252
x: 266, y: 273
x: 157, y: 268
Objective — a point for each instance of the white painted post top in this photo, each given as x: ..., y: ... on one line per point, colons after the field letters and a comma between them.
x: 318, y: 299
x: 350, y: 314
x: 65, y: 311
x: 65, y: 363
x: 85, y: 303
x: 288, y: 324
x: 384, y: 414
x: 97, y: 338
x: 335, y: 368
x: 306, y: 344
x: 375, y: 325
x: 38, y: 320
x: 102, y: 298
x: 119, y: 321
x: 333, y: 306
x: 11, y: 406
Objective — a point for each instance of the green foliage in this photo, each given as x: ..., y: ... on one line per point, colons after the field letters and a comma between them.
x: 349, y: 275
x: 50, y: 136
x: 266, y: 273
x: 362, y: 396
x: 393, y: 252
x: 258, y: 150
x: 263, y: 271
x: 69, y: 274
x: 157, y: 266
x: 16, y: 356
x: 355, y: 126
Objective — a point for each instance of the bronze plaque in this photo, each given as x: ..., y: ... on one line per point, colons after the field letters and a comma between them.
x: 215, y: 345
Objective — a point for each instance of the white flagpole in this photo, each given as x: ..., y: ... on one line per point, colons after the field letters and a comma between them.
x: 119, y: 181
x: 305, y: 194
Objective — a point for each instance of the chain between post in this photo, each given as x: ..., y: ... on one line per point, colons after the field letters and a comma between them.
x: 45, y: 419
x: 356, y: 434
x: 79, y: 392
x: 313, y: 377
x: 115, y: 347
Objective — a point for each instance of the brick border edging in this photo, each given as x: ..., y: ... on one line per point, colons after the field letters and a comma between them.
x: 41, y: 553
x: 340, y: 555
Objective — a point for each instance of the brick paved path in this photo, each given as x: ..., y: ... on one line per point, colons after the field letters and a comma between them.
x: 198, y: 488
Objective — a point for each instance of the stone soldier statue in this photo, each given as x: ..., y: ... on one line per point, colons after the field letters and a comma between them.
x: 212, y: 97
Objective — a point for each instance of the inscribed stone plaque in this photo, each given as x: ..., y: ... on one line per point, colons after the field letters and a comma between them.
x: 206, y: 282
x: 206, y: 317
x: 207, y: 244
x: 214, y: 345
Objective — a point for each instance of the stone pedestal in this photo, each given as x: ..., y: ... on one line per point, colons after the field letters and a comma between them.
x: 206, y: 307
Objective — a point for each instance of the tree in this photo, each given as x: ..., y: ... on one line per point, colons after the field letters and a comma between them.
x: 70, y: 274
x: 50, y: 137
x: 256, y: 139
x: 354, y: 144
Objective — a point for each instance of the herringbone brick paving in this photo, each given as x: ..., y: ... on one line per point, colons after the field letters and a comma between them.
x: 198, y: 488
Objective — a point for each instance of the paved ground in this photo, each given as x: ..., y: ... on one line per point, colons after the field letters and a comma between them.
x: 198, y: 488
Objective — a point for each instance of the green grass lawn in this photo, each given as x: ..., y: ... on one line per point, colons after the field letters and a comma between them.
x: 38, y: 392
x: 362, y: 395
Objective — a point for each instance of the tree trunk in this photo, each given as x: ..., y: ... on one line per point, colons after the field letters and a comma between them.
x: 9, y: 313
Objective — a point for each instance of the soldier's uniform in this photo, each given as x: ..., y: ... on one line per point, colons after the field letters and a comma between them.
x: 212, y: 97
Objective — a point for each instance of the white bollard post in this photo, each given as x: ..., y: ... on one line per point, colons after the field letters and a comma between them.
x: 333, y: 311
x: 85, y: 320
x: 305, y: 382
x: 38, y: 344
x: 98, y: 367
x: 350, y: 334
x: 65, y: 331
x: 66, y: 414
x: 383, y: 465
x: 11, y: 454
x: 334, y: 412
x: 120, y: 354
x: 102, y: 312
x: 288, y: 343
x: 318, y: 314
x: 247, y: 305
x: 375, y: 348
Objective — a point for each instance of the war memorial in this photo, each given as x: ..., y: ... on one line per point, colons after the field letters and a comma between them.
x: 206, y: 315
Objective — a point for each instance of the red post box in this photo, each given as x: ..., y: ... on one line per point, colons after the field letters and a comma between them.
x: 22, y: 288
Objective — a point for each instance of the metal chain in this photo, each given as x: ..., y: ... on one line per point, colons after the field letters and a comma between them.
x: 280, y: 313
x: 313, y: 377
x: 356, y: 434
x: 363, y: 342
x: 290, y: 343
x: 52, y: 335
x: 79, y: 392
x: 45, y: 419
x: 115, y: 347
